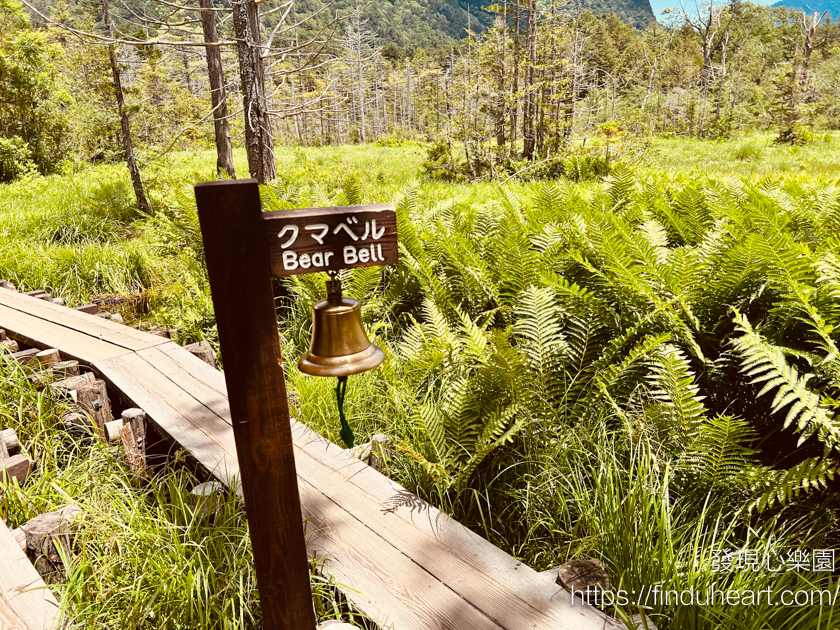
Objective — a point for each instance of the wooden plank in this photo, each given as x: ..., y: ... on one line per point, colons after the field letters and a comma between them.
x: 96, y: 327
x: 25, y: 601
x: 36, y: 331
x: 512, y: 593
x: 90, y: 309
x: 399, y: 560
x: 238, y: 269
x: 321, y: 239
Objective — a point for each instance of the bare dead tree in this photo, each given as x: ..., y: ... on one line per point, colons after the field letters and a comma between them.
x: 136, y: 182
x: 218, y: 93
x: 259, y: 142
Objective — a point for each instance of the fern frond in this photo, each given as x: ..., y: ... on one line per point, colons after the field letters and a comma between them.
x: 781, y: 487
x: 720, y: 456
x: 766, y: 364
x: 672, y: 384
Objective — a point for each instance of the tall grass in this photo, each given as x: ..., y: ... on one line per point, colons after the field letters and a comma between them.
x: 145, y: 553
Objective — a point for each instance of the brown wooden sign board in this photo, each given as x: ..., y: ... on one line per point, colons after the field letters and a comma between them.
x: 325, y: 239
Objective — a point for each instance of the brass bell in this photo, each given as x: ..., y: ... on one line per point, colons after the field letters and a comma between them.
x: 340, y: 347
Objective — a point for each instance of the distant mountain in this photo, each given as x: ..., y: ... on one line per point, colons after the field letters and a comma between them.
x: 813, y: 6
x: 637, y: 13
x: 403, y: 24
x: 431, y: 23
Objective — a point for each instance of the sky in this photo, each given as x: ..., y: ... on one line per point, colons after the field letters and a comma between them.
x: 659, y: 5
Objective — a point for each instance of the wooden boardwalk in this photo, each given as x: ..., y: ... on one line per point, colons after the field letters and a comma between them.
x: 399, y: 560
x: 25, y: 601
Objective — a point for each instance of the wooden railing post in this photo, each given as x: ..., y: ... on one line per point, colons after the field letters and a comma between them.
x: 240, y: 279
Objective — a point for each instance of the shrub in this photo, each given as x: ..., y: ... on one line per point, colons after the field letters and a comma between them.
x: 748, y: 151
x: 15, y: 158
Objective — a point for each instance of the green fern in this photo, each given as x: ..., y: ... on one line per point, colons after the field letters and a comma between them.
x: 766, y: 364
x: 781, y: 487
x: 719, y: 457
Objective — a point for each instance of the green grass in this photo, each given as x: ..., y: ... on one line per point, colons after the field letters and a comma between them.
x: 754, y: 157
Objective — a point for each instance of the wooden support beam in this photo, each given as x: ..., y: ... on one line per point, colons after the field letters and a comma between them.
x: 26, y: 357
x: 204, y: 351
x: 133, y: 435
x: 91, y: 309
x: 65, y: 369
x: 205, y: 497
x: 10, y: 345
x: 20, y: 538
x: 46, y: 531
x: 112, y: 430
x: 93, y: 397
x: 48, y: 357
x: 238, y: 265
x: 69, y: 386
x: 76, y: 423
x: 16, y: 467
x: 10, y: 440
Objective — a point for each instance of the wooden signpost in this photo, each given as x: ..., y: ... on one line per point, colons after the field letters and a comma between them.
x: 244, y: 248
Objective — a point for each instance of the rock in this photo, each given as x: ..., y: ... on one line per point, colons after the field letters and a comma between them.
x: 579, y: 575
x: 58, y: 301
x: 116, y: 317
x: 20, y: 538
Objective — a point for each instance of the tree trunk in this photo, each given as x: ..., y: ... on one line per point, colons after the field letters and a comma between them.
x: 809, y: 47
x: 530, y: 94
x: 136, y: 182
x: 218, y: 94
x: 259, y: 143
x: 501, y: 44
x: 361, y: 91
x: 514, y: 109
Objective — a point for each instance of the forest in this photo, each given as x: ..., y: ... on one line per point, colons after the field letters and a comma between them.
x: 613, y: 330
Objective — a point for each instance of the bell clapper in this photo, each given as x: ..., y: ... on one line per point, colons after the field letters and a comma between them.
x: 346, y: 432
